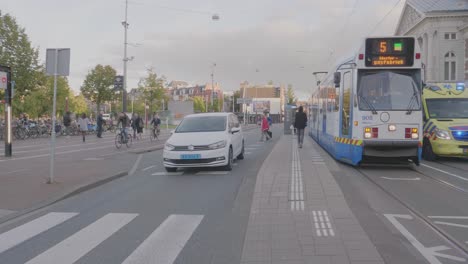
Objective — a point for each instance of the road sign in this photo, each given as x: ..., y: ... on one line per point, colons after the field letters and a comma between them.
x: 3, y: 80
x: 62, y: 58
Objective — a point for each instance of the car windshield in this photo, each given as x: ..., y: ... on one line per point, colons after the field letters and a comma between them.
x: 388, y: 90
x: 447, y: 108
x: 202, y: 124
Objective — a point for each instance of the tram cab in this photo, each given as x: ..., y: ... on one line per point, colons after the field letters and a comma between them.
x: 370, y: 106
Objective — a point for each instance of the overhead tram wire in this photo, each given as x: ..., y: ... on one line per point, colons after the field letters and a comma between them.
x: 383, y: 18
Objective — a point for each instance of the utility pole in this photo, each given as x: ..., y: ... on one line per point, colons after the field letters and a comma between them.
x: 212, y: 86
x: 125, y: 60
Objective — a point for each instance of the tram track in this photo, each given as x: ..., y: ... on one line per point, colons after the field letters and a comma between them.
x: 455, y: 243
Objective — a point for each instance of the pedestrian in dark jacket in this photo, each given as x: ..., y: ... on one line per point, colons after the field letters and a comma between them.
x: 300, y: 122
x: 99, y: 123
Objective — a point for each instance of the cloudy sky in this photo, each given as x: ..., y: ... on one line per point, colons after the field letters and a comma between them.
x: 254, y: 40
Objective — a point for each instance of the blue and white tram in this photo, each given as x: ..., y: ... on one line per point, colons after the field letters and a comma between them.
x: 368, y: 109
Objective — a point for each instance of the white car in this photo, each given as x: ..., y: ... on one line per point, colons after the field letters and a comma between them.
x: 205, y: 140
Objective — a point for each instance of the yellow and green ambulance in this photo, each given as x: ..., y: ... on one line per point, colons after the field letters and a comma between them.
x: 445, y: 120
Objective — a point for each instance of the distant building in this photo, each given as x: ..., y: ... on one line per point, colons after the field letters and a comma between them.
x: 188, y: 92
x: 264, y: 97
x: 441, y: 29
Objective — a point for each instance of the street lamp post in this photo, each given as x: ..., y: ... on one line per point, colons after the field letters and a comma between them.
x: 125, y: 60
x: 212, y: 86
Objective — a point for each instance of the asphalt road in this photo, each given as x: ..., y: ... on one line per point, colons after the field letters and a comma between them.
x: 195, y: 216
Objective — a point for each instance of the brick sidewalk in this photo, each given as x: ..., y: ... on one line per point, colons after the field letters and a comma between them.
x: 299, y: 214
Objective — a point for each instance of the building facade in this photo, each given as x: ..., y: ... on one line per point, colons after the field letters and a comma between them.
x: 441, y: 29
x: 185, y: 93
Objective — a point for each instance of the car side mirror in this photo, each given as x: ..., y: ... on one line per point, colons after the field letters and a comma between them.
x: 235, y: 130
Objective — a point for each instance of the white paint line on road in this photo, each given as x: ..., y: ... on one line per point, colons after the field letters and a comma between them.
x: 58, y: 153
x: 135, y: 166
x: 250, y: 148
x: 93, y: 159
x: 448, y: 217
x: 58, y: 147
x: 248, y: 153
x: 168, y: 173
x: 79, y: 244
x: 430, y: 253
x: 401, y: 179
x: 31, y: 229
x: 446, y: 172
x: 212, y: 173
x: 148, y: 168
x: 167, y: 241
x: 451, y: 224
x: 15, y: 171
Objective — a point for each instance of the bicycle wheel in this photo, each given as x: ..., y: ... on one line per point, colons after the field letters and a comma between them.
x: 129, y: 141
x: 118, y: 141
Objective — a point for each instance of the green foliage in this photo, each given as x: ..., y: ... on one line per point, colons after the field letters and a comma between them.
x: 198, y: 104
x: 78, y: 104
x: 152, y: 89
x: 97, y: 87
x: 290, y: 96
x: 16, y: 51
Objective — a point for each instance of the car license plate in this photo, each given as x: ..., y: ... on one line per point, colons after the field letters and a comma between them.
x: 190, y: 156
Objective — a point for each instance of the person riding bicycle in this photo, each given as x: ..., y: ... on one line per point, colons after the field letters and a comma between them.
x: 123, y: 119
x: 156, y: 122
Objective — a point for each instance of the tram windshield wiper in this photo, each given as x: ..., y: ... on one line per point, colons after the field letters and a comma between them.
x: 370, y: 105
x: 414, y: 99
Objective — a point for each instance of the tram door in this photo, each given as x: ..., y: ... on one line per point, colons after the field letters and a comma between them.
x: 346, y: 109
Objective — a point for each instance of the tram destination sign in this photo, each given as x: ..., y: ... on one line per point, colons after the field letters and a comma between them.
x: 389, y: 52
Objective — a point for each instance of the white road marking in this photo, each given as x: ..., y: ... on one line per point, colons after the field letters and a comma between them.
x: 248, y: 153
x: 450, y: 224
x: 401, y: 179
x: 212, y: 173
x: 148, y: 168
x: 166, y: 242
x: 167, y: 173
x: 446, y: 172
x: 24, y: 232
x: 430, y: 253
x: 135, y: 166
x: 322, y: 223
x: 15, y: 171
x: 58, y: 153
x: 250, y: 148
x: 448, y: 217
x: 93, y: 159
x: 79, y: 244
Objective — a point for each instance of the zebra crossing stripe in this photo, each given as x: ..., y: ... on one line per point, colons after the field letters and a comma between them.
x: 31, y: 229
x: 166, y: 242
x: 79, y: 244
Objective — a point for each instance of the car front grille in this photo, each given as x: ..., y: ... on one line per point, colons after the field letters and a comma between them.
x: 460, y: 135
x: 195, y: 148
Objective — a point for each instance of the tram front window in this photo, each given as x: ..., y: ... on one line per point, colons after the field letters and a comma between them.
x: 388, y: 90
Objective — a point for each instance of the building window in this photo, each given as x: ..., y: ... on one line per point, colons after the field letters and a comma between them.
x: 450, y: 36
x: 450, y: 67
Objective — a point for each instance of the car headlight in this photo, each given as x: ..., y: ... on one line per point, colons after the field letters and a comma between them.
x: 442, y: 134
x: 218, y: 145
x: 169, y: 147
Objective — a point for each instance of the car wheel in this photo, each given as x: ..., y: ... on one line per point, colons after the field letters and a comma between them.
x: 241, y: 155
x: 171, y: 169
x: 228, y: 167
x: 428, y: 153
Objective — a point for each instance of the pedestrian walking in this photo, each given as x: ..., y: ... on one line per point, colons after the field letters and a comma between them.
x: 265, y: 127
x: 300, y: 122
x: 139, y: 126
x: 67, y: 122
x: 133, y: 125
x: 83, y: 123
x: 99, y: 123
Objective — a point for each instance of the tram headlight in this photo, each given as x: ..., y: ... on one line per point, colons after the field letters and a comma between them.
x: 367, y: 132
x: 391, y: 128
x: 442, y: 134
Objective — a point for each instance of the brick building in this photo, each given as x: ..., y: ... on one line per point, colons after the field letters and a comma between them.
x: 441, y: 29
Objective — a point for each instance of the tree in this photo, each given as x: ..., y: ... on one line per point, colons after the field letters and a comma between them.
x: 270, y: 82
x: 97, y: 87
x: 78, y: 104
x: 16, y: 51
x: 237, y: 94
x: 290, y: 96
x: 152, y: 89
x: 198, y: 104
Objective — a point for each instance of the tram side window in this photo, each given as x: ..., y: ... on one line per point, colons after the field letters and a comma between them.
x: 346, y: 103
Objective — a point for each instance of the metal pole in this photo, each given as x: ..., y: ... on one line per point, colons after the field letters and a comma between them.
x: 8, y: 131
x: 212, y: 88
x: 243, y: 105
x: 52, y: 140
x: 233, y: 104
x: 125, y: 59
x: 206, y: 101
